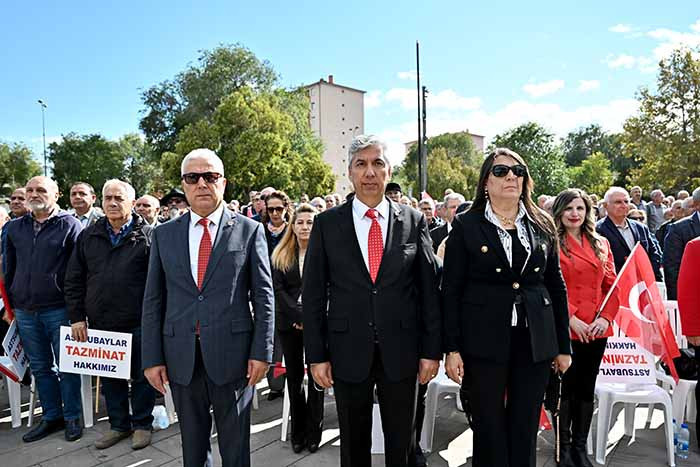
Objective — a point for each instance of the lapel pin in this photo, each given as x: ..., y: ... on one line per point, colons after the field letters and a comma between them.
x: 230, y: 222
x: 484, y: 249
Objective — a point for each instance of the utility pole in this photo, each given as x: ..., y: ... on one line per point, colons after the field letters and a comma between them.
x: 424, y: 148
x: 43, y: 133
x: 420, y: 134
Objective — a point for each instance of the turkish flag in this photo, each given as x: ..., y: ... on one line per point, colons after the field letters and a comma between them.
x: 641, y: 313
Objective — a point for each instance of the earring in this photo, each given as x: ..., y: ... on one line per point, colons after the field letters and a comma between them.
x: 486, y: 193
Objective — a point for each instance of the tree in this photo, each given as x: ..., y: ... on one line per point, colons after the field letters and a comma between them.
x: 142, y: 168
x: 262, y: 140
x: 664, y: 136
x: 453, y: 162
x: 593, y: 175
x: 581, y: 143
x: 544, y: 158
x: 87, y: 158
x: 16, y: 166
x: 196, y: 93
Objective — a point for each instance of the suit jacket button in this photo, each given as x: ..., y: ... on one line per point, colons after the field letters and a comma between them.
x: 537, y: 269
x: 371, y: 324
x: 498, y: 269
x: 484, y: 249
x: 516, y: 286
x: 374, y: 291
x: 200, y: 298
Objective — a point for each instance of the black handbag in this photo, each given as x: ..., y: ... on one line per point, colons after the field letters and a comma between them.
x: 686, y: 365
x: 552, y: 395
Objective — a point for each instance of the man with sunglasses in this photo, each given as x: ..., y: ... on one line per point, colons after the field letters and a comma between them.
x: 200, y: 339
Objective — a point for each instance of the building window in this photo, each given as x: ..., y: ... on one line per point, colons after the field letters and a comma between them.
x: 343, y: 132
x: 343, y: 118
x: 342, y: 105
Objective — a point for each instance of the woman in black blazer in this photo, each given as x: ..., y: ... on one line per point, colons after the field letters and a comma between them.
x: 506, y: 317
x: 287, y: 270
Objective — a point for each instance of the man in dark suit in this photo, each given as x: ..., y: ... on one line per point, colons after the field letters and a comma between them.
x: 82, y: 200
x: 438, y: 234
x: 199, y: 334
x: 373, y: 316
x: 678, y: 235
x: 623, y: 233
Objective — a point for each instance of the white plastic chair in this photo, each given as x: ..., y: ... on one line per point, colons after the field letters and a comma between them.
x: 85, y: 397
x: 610, y: 394
x: 439, y: 385
x: 14, y: 393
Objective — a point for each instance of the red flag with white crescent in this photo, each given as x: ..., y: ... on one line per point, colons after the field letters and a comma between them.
x: 642, y: 315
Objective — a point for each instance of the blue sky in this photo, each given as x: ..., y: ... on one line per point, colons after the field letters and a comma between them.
x: 488, y: 65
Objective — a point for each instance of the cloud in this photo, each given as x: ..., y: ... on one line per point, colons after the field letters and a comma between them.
x: 585, y: 85
x: 373, y: 99
x: 544, y: 88
x: 620, y: 61
x: 610, y: 116
x: 620, y: 28
x: 408, y: 75
x: 446, y: 99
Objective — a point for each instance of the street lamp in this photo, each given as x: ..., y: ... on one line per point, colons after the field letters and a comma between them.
x: 43, y: 132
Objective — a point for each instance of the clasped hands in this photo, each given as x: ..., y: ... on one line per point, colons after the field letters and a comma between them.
x: 588, y: 332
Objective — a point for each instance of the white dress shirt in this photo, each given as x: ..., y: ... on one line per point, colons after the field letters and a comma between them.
x: 195, y: 235
x: 363, y: 223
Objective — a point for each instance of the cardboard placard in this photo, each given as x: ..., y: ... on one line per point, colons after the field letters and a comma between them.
x: 105, y: 353
x: 626, y: 362
x: 12, y: 344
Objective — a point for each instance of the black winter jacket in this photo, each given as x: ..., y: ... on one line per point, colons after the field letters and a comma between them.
x: 106, y: 283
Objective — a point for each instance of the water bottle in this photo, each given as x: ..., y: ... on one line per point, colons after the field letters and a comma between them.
x: 675, y: 435
x: 683, y: 442
x: 160, y: 418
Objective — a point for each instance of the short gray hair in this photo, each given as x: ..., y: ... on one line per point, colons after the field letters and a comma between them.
x: 615, y: 190
x: 128, y: 189
x: 202, y: 153
x: 455, y: 196
x: 688, y: 203
x: 696, y: 195
x: 427, y: 201
x: 655, y: 192
x: 361, y: 142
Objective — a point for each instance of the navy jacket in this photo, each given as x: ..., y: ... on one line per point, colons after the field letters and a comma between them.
x: 679, y: 233
x: 35, y: 266
x: 619, y: 247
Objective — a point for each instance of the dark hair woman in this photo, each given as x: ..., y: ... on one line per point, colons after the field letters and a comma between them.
x: 589, y: 271
x: 287, y: 270
x: 506, y: 320
x: 278, y: 210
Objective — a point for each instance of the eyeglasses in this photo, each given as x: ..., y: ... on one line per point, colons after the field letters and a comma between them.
x: 192, y: 178
x: 501, y: 170
x: 279, y: 209
x: 636, y: 218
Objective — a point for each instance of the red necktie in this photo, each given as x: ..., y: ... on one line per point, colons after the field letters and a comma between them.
x: 204, y: 252
x: 375, y: 244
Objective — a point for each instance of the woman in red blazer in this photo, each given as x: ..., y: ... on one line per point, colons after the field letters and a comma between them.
x: 588, y: 268
x: 689, y: 301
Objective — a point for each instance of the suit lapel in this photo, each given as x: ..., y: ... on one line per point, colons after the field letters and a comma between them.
x: 183, y: 238
x: 220, y: 243
x: 491, y: 233
x: 349, y: 236
x: 695, y: 225
x: 584, y: 251
x: 612, y: 228
x: 395, y: 225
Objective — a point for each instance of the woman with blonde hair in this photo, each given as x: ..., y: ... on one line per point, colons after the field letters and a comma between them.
x: 287, y: 271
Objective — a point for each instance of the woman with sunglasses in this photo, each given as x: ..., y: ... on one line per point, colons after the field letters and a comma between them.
x: 588, y: 267
x: 287, y: 270
x: 275, y: 217
x: 505, y: 317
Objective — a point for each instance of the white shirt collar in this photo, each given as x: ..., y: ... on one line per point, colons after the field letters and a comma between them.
x: 360, y: 208
x: 214, y: 217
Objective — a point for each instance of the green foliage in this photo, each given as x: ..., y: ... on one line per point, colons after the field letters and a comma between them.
x: 263, y: 140
x: 87, y: 158
x: 141, y: 166
x: 197, y: 92
x: 665, y: 135
x: 593, y: 175
x: 543, y: 156
x: 581, y: 143
x: 16, y: 166
x: 453, y: 162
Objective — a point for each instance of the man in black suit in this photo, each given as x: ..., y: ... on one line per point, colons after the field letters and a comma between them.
x: 372, y: 317
x: 623, y: 233
x: 438, y: 234
x: 679, y: 234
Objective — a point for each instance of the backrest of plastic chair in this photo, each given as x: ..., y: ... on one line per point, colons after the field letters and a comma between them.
x: 674, y: 318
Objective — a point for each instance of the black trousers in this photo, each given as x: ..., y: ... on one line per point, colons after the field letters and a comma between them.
x: 697, y: 390
x: 397, y: 402
x: 231, y: 403
x: 579, y: 381
x: 275, y: 384
x: 306, y: 411
x: 506, y: 399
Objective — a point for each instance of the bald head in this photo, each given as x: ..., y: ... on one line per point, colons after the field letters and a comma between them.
x: 147, y: 207
x: 42, y: 195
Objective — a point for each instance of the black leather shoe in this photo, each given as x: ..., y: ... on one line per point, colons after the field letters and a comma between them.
x: 420, y: 458
x: 297, y: 447
x: 44, y: 429
x: 74, y: 430
x: 313, y: 447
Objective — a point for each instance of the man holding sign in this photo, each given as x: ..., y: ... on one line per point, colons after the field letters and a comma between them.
x: 105, y: 282
x: 199, y: 335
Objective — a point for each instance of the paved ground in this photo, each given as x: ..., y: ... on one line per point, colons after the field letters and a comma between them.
x: 452, y: 443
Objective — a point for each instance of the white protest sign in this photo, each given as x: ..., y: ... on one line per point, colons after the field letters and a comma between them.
x: 14, y: 349
x: 625, y: 362
x: 105, y: 353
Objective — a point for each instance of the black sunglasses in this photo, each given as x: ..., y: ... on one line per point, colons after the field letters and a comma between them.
x: 501, y: 170
x: 192, y: 178
x: 276, y: 209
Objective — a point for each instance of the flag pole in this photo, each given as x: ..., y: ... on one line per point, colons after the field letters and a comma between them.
x: 617, y: 279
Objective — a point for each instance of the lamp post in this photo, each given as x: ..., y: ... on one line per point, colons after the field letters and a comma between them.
x: 43, y: 133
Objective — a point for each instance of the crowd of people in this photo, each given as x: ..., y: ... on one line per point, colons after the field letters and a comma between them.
x: 365, y: 293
